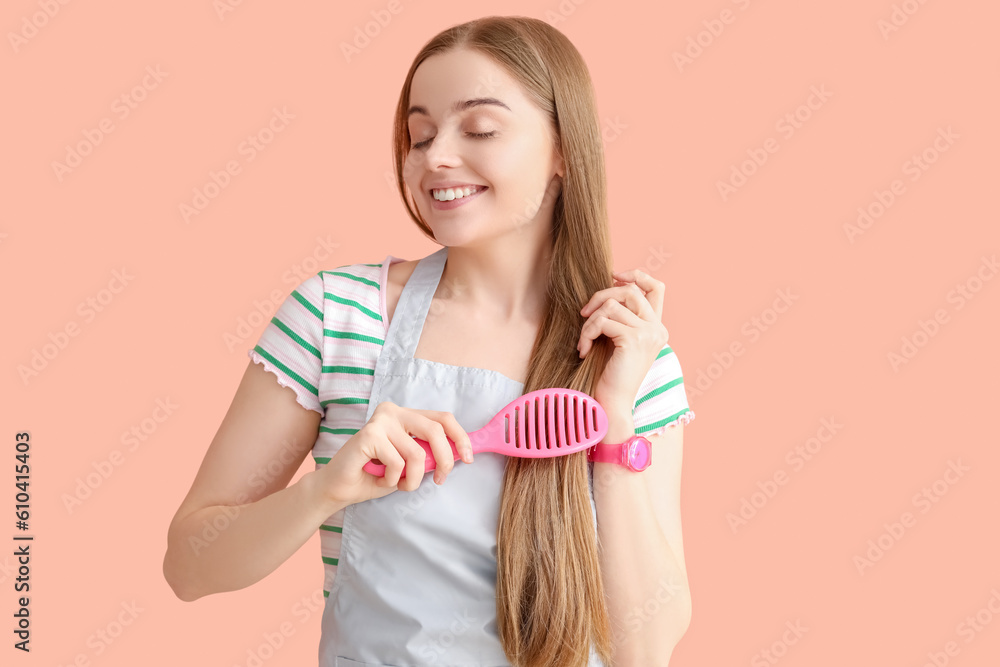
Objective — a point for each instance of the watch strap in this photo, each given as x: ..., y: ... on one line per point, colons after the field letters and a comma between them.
x: 619, y: 453
x: 607, y: 453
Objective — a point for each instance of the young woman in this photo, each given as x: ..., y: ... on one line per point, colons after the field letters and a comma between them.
x: 536, y: 562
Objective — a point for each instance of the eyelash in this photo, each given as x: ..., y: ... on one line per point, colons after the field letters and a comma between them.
x: 480, y: 135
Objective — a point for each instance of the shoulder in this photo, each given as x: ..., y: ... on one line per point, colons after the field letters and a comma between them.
x: 349, y: 290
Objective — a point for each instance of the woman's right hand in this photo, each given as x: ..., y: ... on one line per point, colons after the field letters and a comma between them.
x: 387, y: 437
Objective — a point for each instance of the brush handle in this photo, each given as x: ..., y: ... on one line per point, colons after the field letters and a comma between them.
x: 430, y: 463
x: 540, y: 424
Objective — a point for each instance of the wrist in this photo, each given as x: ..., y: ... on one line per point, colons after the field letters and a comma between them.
x: 621, y: 427
x: 316, y: 490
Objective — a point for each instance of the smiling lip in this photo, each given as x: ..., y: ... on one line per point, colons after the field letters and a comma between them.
x: 455, y: 203
x: 444, y: 185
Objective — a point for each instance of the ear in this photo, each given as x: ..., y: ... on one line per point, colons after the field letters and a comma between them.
x: 560, y: 164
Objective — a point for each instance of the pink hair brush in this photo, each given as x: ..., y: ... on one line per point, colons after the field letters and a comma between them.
x: 540, y: 424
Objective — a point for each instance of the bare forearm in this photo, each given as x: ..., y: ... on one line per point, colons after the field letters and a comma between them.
x: 649, y: 602
x: 229, y: 547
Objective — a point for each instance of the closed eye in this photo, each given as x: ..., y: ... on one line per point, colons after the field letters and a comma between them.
x: 478, y: 135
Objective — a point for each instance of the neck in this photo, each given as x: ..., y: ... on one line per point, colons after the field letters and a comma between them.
x: 501, y: 282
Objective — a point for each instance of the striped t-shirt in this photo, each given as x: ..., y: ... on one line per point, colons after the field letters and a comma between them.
x: 323, y: 343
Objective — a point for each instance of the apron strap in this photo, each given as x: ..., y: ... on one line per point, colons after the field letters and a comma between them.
x: 414, y: 304
x: 408, y: 318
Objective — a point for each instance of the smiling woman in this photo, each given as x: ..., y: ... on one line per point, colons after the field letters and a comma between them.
x: 498, y: 139
x: 527, y: 233
x: 532, y: 562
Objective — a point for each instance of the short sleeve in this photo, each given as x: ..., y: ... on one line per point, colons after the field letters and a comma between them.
x: 661, y: 401
x: 291, y: 346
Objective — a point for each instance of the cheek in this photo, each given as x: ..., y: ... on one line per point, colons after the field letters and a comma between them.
x: 411, y: 174
x: 524, y: 161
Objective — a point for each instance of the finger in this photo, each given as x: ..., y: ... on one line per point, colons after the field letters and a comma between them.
x: 458, y: 435
x: 654, y: 289
x: 441, y: 449
x: 386, y: 452
x: 414, y: 456
x: 611, y: 310
x: 612, y: 328
x: 628, y: 293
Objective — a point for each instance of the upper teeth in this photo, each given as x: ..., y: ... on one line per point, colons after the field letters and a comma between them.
x: 447, y: 194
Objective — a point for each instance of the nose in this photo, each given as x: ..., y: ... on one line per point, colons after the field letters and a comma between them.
x: 442, y: 151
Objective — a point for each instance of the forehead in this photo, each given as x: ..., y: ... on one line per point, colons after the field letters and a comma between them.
x: 445, y: 79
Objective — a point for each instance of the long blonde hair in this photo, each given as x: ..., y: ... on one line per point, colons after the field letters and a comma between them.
x: 550, y: 596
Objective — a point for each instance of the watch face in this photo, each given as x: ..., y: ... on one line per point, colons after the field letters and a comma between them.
x: 639, y: 454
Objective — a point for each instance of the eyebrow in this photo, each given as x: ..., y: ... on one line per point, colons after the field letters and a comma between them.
x: 461, y: 105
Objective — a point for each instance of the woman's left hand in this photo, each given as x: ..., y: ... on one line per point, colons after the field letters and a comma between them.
x: 631, y: 315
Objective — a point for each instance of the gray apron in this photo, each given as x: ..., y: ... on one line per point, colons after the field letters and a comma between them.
x: 416, y: 578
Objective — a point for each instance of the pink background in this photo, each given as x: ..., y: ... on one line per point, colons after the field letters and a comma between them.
x: 318, y: 197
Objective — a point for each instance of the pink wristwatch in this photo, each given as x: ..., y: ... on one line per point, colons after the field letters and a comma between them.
x: 636, y: 453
